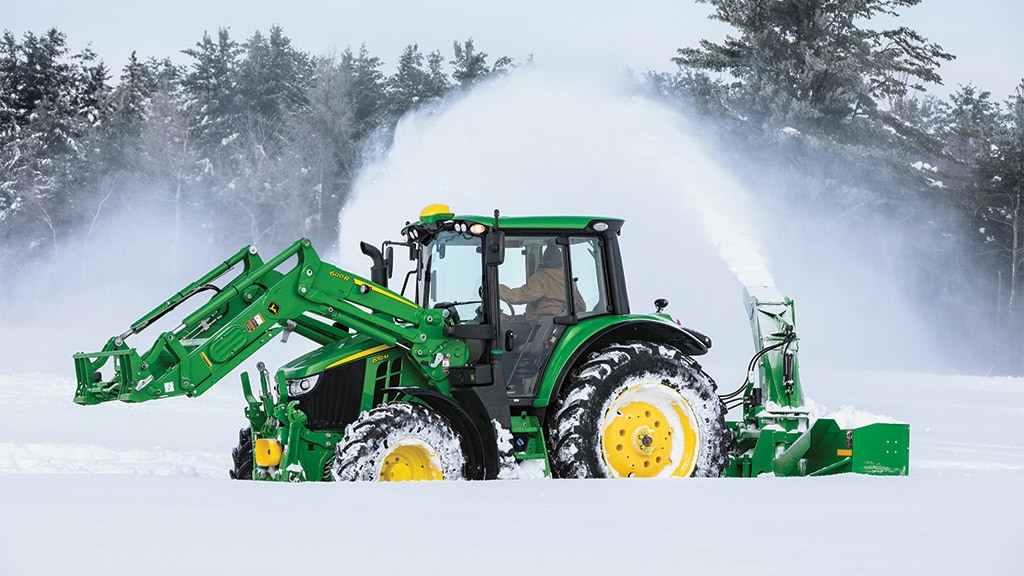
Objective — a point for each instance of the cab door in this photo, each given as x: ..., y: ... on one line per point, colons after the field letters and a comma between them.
x: 547, y: 283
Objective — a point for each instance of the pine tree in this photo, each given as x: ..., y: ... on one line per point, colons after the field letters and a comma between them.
x: 323, y: 151
x: 470, y: 66
x: 418, y: 79
x: 212, y: 81
x: 130, y: 96
x: 437, y: 84
x: 272, y: 76
x: 366, y: 87
x: 49, y: 105
x: 810, y: 64
x: 969, y: 122
x: 409, y: 83
x: 1000, y: 203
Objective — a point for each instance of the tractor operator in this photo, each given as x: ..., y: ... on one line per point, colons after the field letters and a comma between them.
x: 544, y: 291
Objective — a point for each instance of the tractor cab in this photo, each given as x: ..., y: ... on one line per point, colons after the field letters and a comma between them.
x: 520, y: 282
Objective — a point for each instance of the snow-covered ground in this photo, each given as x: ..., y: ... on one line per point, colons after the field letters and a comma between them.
x: 143, y: 489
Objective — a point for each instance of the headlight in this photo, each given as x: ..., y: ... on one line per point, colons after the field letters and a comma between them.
x: 300, y: 386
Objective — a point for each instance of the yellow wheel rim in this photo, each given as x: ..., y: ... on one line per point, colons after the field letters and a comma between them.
x: 411, y: 459
x: 650, y: 431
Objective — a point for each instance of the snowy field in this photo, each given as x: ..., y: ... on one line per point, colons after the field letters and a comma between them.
x: 143, y: 489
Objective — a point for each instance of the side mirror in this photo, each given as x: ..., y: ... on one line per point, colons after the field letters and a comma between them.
x: 389, y: 261
x: 494, y: 248
x: 379, y: 269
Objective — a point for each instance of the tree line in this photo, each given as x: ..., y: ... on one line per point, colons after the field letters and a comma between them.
x: 252, y: 141
x: 258, y: 142
x: 853, y: 134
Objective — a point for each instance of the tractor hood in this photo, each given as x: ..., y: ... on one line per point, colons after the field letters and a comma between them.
x: 332, y: 355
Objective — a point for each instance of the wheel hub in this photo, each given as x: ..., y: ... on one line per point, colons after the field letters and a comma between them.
x: 411, y: 460
x: 650, y: 431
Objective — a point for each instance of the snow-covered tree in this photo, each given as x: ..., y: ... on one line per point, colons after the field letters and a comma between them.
x: 417, y: 79
x: 811, y: 64
x: 167, y: 164
x: 323, y: 151
x: 272, y: 76
x: 366, y: 86
x: 212, y: 82
x: 50, y: 105
x: 470, y: 65
x: 1000, y: 203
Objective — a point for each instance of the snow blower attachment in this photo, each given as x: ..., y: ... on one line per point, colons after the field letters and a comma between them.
x: 776, y: 434
x: 514, y: 354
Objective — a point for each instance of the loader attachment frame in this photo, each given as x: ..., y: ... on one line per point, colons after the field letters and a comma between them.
x: 127, y: 364
x: 311, y: 298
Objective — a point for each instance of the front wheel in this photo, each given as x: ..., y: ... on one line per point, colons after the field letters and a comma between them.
x: 638, y: 410
x: 241, y: 456
x: 399, y: 441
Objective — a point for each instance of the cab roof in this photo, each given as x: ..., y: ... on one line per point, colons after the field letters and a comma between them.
x: 441, y: 213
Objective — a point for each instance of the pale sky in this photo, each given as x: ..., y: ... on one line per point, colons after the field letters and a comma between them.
x: 587, y: 36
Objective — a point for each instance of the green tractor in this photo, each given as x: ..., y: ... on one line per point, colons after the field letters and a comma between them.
x: 509, y: 351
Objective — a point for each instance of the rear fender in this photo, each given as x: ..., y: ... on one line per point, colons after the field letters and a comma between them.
x: 580, y: 340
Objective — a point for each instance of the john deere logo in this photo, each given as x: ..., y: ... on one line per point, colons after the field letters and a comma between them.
x: 273, y: 308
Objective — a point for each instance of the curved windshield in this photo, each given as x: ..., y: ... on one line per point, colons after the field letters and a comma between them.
x: 453, y: 275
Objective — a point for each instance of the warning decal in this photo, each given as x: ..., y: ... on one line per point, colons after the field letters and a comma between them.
x: 256, y: 321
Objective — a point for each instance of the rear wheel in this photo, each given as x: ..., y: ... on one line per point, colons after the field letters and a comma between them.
x: 241, y: 456
x: 399, y: 441
x: 638, y: 409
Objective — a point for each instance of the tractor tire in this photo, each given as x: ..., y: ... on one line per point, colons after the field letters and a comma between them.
x: 399, y: 441
x: 241, y: 455
x: 638, y: 409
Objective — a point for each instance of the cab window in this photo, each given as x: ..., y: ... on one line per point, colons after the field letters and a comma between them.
x: 453, y: 275
x: 588, y: 271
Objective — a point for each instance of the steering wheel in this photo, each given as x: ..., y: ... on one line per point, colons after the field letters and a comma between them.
x: 453, y: 311
x: 511, y: 310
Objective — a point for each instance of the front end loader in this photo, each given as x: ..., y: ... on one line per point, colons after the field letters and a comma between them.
x: 511, y: 350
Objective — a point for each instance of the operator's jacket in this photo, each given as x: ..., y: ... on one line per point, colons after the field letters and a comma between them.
x: 543, y: 294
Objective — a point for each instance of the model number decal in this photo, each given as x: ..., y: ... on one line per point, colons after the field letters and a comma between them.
x: 380, y: 358
x: 340, y: 275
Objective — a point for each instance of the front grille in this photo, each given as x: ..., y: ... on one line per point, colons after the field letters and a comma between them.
x: 335, y: 400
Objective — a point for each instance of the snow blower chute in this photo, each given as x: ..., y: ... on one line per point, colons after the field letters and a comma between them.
x: 776, y: 434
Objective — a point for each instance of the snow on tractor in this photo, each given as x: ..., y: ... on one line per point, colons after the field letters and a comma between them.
x: 515, y: 354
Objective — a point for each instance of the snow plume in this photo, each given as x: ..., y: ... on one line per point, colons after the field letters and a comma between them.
x: 73, y: 299
x: 529, y: 144
x: 101, y: 281
x: 535, y: 143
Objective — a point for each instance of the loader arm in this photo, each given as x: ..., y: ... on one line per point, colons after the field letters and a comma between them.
x: 311, y: 298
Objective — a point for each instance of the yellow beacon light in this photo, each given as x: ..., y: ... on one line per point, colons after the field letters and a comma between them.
x: 436, y: 212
